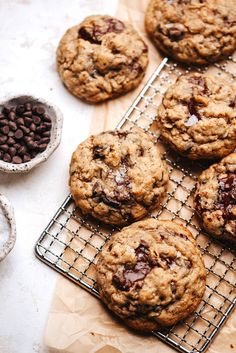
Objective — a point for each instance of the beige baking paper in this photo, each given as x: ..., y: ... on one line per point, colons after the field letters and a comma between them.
x: 77, y: 321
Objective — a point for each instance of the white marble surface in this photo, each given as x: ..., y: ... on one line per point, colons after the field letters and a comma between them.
x: 29, y: 34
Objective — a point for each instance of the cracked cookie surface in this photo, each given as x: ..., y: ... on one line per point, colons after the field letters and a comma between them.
x: 118, y: 176
x: 151, y: 274
x: 101, y: 58
x: 197, y: 116
x: 215, y: 199
x: 193, y: 31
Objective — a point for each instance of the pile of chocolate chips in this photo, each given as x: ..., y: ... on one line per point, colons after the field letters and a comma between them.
x: 25, y: 131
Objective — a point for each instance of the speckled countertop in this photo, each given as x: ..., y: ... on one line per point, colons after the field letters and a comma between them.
x: 29, y: 34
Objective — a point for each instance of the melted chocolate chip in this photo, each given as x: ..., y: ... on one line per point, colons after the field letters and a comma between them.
x: 227, y: 196
x: 193, y: 109
x: 135, y: 272
x: 94, y: 36
x: 114, y: 25
x: 175, y: 31
x: 109, y: 201
x: 98, y: 152
x: 84, y: 34
x: 199, y: 81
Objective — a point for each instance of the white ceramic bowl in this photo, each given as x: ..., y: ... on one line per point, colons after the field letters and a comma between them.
x: 56, y: 130
x: 7, y: 227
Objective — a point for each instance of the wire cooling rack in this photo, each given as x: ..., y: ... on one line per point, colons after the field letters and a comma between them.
x: 71, y: 242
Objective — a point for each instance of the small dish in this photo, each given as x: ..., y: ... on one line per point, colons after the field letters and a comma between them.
x: 7, y: 227
x: 55, y: 137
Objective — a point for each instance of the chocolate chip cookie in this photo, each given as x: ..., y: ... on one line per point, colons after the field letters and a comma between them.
x: 197, y: 116
x: 215, y: 199
x: 101, y: 58
x: 151, y: 274
x: 193, y: 31
x: 118, y: 176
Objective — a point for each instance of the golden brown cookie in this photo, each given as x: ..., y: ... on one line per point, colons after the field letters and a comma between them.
x: 151, y: 274
x: 197, y: 116
x: 118, y: 176
x: 215, y: 199
x: 101, y: 58
x: 193, y: 31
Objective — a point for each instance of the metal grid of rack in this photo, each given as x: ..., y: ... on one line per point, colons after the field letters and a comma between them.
x: 71, y: 242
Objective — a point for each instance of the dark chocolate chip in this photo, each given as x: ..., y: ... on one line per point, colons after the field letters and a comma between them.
x: 43, y: 140
x: 20, y: 121
x: 42, y: 147
x: 22, y: 150
x: 28, y: 121
x: 12, y: 116
x: 31, y: 144
x: 3, y: 122
x: 36, y: 119
x: 4, y: 147
x: 25, y: 129
x: 18, y: 134
x: 17, y: 146
x: 20, y: 109
x: 48, y: 125
x: 12, y: 151
x: 16, y: 160
x: 11, y: 141
x: 26, y: 158
x: 32, y: 127
x: 5, y: 130
x: 37, y: 137
x: 46, y: 134
x: 31, y: 134
x: 27, y: 114
x: 47, y: 118
x: 3, y: 139
x: 12, y: 125
x: 7, y: 157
